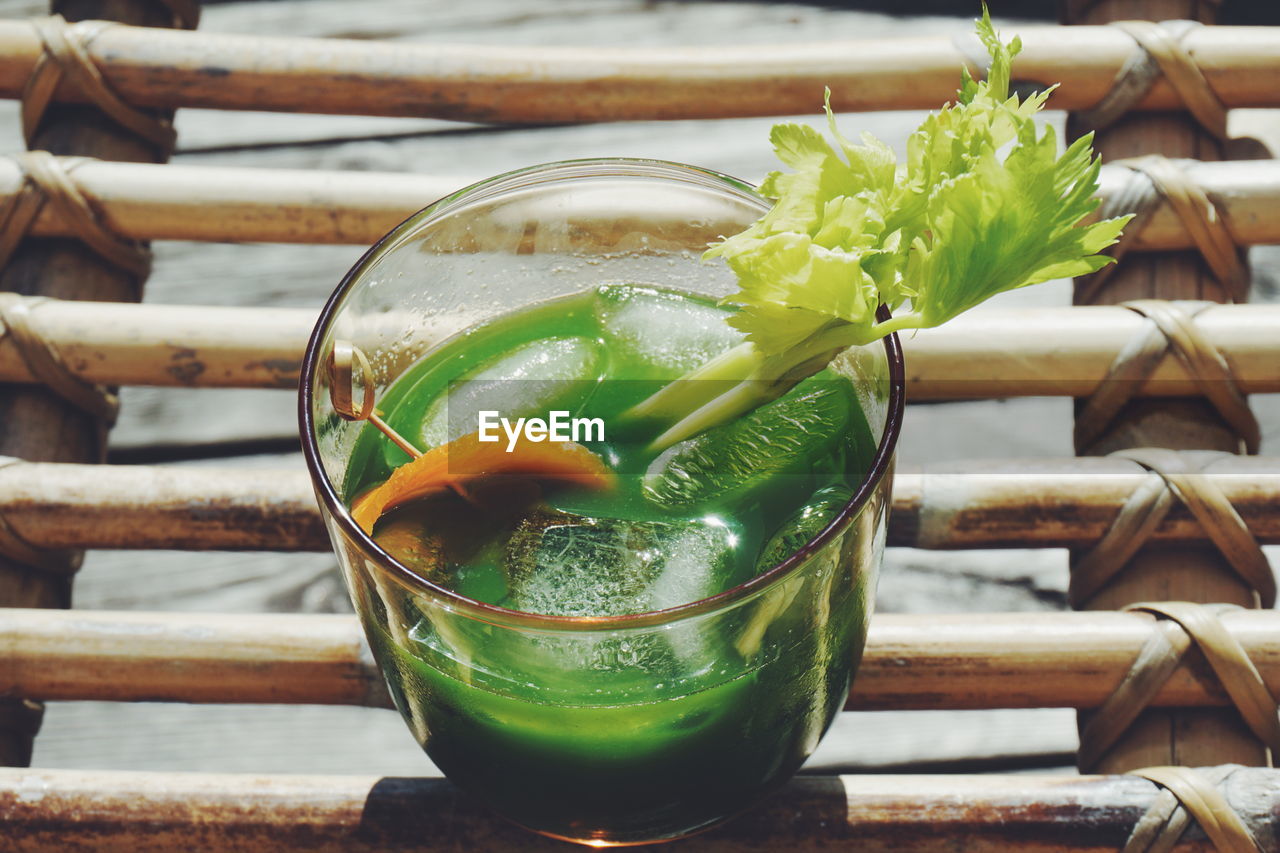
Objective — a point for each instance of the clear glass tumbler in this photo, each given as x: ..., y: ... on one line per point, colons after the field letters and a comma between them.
x: 566, y: 725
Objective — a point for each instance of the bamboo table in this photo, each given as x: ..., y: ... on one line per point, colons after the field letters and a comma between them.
x: 60, y: 502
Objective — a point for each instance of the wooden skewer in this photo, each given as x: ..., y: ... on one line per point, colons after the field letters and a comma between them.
x: 148, y: 202
x: 153, y: 68
x: 345, y: 362
x: 1040, y: 503
x: 991, y: 660
x: 159, y: 812
x: 986, y: 353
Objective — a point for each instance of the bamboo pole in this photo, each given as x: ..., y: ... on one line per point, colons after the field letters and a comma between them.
x: 986, y: 353
x: 35, y: 423
x: 199, y: 346
x: 135, y: 506
x: 137, y: 812
x: 1159, y: 572
x: 509, y: 83
x: 1057, y: 351
x: 959, y: 661
x: 224, y: 204
x: 1064, y: 503
x: 254, y: 205
x: 113, y: 811
x: 1015, y: 504
x: 169, y: 657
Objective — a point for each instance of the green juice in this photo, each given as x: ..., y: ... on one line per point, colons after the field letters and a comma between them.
x: 622, y: 734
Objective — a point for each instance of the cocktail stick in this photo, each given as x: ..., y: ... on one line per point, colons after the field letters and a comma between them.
x: 347, y: 355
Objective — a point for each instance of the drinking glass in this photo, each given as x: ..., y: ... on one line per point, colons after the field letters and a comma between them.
x: 577, y: 727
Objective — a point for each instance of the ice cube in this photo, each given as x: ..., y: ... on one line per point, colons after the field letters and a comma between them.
x: 568, y: 565
x: 530, y: 381
x: 802, y: 525
x: 729, y: 462
x: 655, y: 334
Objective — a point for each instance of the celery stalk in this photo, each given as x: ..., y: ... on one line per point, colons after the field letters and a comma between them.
x: 982, y: 204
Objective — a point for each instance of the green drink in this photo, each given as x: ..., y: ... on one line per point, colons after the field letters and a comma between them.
x: 632, y: 635
x: 599, y: 353
x: 636, y: 734
x: 608, y: 664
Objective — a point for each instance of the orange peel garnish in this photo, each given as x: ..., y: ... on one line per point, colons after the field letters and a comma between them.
x: 452, y: 465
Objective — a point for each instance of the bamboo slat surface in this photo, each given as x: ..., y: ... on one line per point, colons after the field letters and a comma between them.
x: 959, y: 661
x: 529, y: 84
x: 105, y: 811
x: 987, y: 353
x: 228, y: 204
x: 35, y: 422
x: 1185, y: 421
x: 255, y: 286
x: 987, y: 504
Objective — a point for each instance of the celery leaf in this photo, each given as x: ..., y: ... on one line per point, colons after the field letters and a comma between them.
x: 982, y: 204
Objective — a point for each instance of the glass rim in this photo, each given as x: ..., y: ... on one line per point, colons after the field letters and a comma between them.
x: 493, y: 613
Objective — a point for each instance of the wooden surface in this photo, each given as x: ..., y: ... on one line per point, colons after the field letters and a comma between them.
x: 1157, y: 573
x: 1020, y: 352
x: 971, y: 661
x: 210, y: 427
x: 35, y: 423
x: 226, y: 204
x: 1049, y: 503
x: 538, y: 84
x: 53, y: 810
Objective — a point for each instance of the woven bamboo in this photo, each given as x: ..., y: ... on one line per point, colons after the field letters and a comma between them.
x: 991, y: 353
x: 973, y: 660
x: 1040, y: 503
x: 1199, y: 130
x: 517, y: 84
x: 152, y: 812
x: 146, y: 202
x: 35, y: 422
x: 912, y: 662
